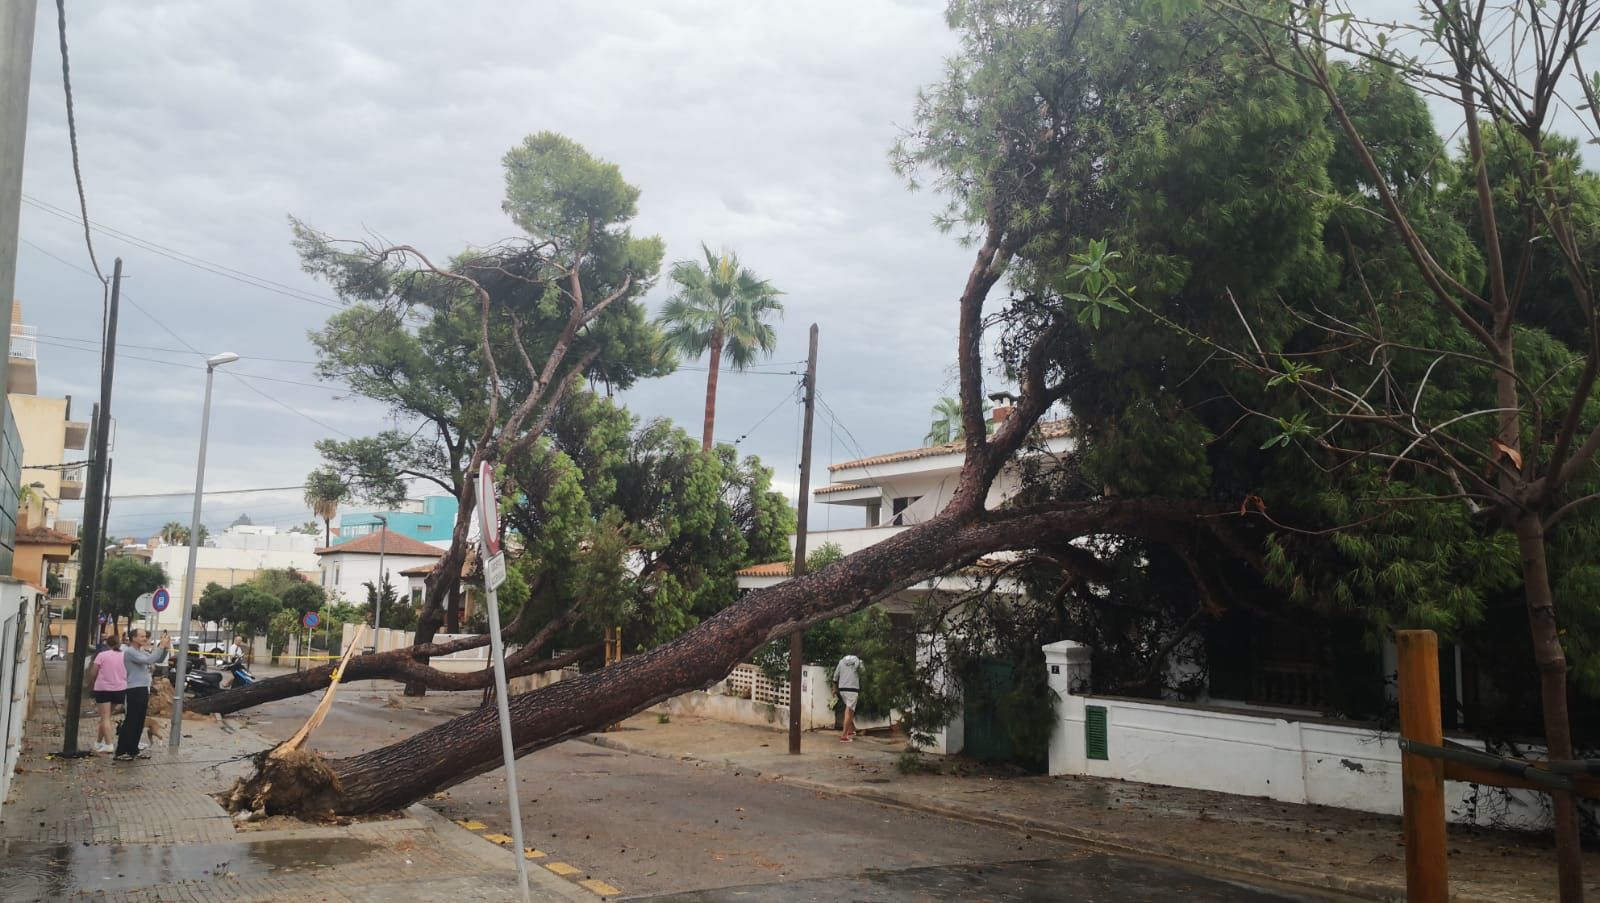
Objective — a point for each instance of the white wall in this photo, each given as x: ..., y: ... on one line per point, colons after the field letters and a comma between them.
x: 19, y: 663
x: 1296, y: 761
x: 344, y: 573
x: 175, y: 561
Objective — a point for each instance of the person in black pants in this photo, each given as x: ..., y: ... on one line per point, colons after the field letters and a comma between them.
x: 138, y: 655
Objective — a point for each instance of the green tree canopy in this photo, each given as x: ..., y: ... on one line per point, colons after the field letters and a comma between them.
x: 473, y: 354
x: 123, y: 580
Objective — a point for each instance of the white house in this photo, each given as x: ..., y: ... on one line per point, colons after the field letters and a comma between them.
x: 235, y: 556
x: 347, y: 567
x: 896, y: 490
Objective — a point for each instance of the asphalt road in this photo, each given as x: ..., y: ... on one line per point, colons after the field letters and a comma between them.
x: 659, y: 828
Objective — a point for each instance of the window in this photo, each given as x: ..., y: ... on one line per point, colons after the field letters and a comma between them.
x: 416, y: 597
x: 900, y: 506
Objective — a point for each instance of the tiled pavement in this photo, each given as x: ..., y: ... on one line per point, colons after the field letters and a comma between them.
x: 149, y: 831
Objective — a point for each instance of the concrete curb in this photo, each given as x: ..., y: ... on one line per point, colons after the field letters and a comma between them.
x: 1103, y: 841
x: 542, y: 885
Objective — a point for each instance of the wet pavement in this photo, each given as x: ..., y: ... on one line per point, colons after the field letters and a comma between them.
x: 50, y: 871
x: 657, y: 828
x: 150, y: 832
x: 1084, y: 878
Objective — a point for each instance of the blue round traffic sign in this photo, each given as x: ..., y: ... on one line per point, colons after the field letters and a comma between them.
x: 160, y: 599
x: 311, y: 620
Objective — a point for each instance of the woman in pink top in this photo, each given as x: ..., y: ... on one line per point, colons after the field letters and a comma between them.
x: 110, y: 678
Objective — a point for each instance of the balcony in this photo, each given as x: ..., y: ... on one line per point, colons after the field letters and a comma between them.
x: 22, y: 369
x: 77, y: 435
x: 72, y: 482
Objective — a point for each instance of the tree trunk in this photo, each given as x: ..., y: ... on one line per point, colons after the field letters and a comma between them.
x: 1552, y: 663
x: 711, y: 388
x: 458, y: 750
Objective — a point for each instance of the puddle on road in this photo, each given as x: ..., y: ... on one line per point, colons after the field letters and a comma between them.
x: 49, y: 871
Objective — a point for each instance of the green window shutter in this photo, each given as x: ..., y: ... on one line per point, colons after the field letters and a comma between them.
x: 1094, y: 731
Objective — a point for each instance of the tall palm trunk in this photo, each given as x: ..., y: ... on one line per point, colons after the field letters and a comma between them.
x: 711, y: 388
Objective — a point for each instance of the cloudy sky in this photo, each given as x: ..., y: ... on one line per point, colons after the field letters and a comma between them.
x: 762, y: 127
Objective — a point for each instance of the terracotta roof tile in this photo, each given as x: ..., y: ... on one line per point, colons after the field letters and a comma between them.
x: 770, y: 569
x: 838, y: 487
x: 46, y: 536
x: 392, y: 544
x: 1050, y: 429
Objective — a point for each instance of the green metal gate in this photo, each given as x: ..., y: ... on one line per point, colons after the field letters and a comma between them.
x: 986, y: 732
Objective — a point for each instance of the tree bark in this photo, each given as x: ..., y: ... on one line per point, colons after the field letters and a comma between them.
x: 1552, y: 663
x: 445, y: 755
x: 711, y: 388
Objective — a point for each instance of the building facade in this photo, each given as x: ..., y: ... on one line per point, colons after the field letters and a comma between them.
x: 42, y: 458
x: 348, y: 566
x: 428, y: 520
x: 235, y: 556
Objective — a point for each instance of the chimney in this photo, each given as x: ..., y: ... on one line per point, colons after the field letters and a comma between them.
x: 1001, y: 412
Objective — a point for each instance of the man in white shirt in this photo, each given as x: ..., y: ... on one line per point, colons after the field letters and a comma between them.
x: 235, y: 654
x: 847, y: 678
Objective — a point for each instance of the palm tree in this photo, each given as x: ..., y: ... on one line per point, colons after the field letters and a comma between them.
x: 946, y: 426
x: 324, y: 492
x: 174, y: 534
x: 720, y: 307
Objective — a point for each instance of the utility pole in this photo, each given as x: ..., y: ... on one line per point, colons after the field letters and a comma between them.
x: 90, y: 553
x: 797, y: 639
x: 383, y: 584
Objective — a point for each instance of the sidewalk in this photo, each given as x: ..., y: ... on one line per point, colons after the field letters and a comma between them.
x: 149, y: 831
x: 1312, y: 846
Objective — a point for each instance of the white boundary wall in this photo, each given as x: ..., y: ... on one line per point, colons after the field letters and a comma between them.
x: 1295, y: 761
x: 20, y: 661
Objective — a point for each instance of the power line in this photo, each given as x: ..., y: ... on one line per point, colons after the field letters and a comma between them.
x: 185, y: 342
x: 763, y: 419
x: 209, y: 492
x: 253, y: 357
x: 72, y: 135
x: 187, y: 259
x: 183, y: 366
x: 287, y: 407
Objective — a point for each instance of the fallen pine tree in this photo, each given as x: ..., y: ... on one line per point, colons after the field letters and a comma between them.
x: 458, y: 750
x: 409, y: 665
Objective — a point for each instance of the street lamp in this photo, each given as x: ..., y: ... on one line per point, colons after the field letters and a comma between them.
x: 176, y: 733
x: 383, y: 582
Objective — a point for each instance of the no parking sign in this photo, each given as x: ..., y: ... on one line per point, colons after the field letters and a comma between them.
x: 160, y: 599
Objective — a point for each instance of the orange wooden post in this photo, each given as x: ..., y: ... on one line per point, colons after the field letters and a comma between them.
x: 1422, y: 778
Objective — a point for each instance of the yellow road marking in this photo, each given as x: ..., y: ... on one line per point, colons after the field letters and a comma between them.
x: 531, y: 853
x: 562, y: 869
x: 500, y: 839
x: 600, y: 887
x: 471, y: 825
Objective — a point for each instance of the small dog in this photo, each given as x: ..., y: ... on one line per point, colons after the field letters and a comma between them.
x: 160, y: 711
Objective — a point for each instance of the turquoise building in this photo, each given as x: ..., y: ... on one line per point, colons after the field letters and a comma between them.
x: 431, y: 521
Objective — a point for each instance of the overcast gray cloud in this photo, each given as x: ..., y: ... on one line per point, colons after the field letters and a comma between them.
x: 758, y: 126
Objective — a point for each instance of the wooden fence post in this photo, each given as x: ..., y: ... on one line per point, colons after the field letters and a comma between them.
x: 1422, y: 778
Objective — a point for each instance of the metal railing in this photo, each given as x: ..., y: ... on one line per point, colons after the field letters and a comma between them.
x: 25, y: 342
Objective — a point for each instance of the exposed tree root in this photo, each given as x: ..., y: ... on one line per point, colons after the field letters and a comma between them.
x: 294, y: 782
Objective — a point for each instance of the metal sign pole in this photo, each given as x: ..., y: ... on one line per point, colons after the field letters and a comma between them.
x: 494, y: 574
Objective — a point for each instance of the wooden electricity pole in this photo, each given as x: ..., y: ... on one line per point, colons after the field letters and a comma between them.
x: 1422, y: 777
x: 797, y: 639
x: 91, y: 552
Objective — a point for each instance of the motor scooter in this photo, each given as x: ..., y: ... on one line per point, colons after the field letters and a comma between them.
x: 209, y: 683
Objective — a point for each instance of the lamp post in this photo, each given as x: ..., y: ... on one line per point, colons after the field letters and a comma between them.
x: 383, y: 583
x: 176, y: 733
